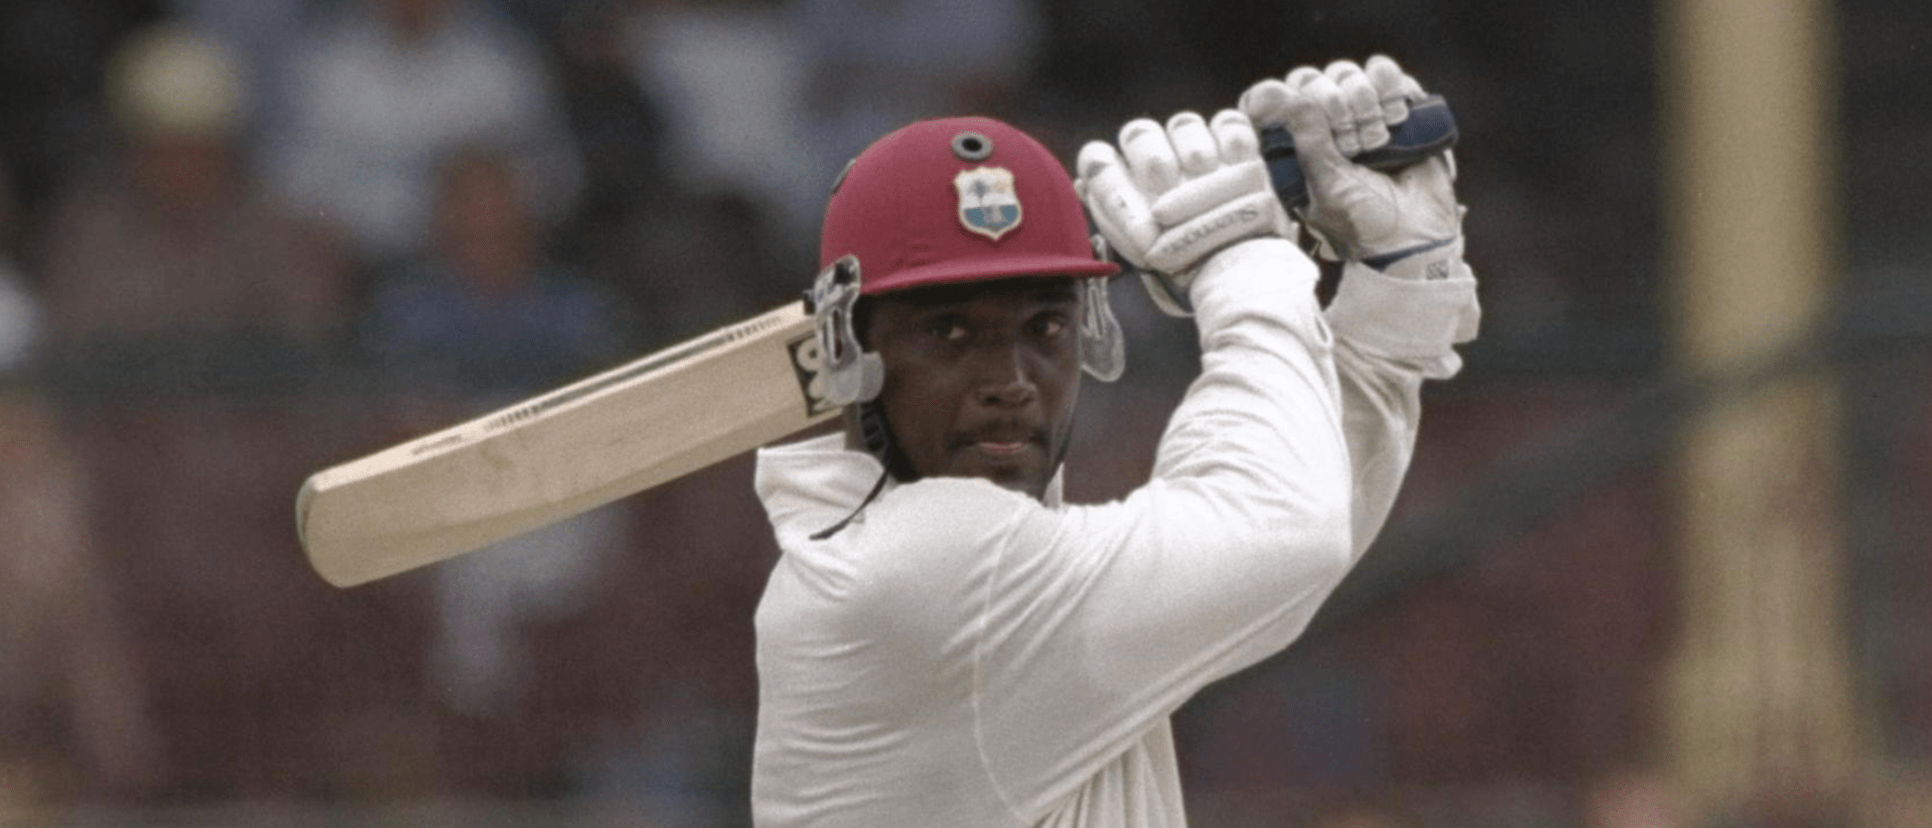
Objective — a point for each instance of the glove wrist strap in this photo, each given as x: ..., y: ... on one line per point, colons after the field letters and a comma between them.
x: 1383, y: 261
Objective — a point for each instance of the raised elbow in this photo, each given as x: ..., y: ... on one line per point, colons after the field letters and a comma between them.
x: 1331, y: 542
x: 1319, y: 520
x: 1317, y: 534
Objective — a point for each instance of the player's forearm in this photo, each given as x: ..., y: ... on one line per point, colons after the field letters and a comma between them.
x: 1265, y: 414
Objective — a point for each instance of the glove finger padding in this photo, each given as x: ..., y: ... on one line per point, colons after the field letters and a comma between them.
x: 1170, y: 197
x: 1319, y: 119
x: 1194, y: 146
x: 1119, y: 210
x: 1150, y: 157
x: 1265, y: 104
x: 1235, y: 136
x: 1393, y: 86
x: 1358, y: 93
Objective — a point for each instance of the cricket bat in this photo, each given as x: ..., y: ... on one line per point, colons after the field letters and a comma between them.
x: 585, y: 444
x: 633, y: 427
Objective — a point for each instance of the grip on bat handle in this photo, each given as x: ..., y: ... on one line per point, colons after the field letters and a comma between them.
x: 1430, y: 129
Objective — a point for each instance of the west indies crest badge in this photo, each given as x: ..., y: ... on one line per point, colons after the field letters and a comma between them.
x: 988, y: 204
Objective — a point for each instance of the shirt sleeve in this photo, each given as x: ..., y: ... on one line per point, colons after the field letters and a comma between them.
x: 1392, y: 331
x: 1416, y: 313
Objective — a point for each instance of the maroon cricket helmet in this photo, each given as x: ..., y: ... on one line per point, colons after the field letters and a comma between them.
x: 957, y: 200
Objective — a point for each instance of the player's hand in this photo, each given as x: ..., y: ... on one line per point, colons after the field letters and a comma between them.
x: 1171, y: 196
x: 1335, y: 114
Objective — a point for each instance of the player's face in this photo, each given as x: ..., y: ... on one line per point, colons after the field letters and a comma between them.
x: 981, y: 379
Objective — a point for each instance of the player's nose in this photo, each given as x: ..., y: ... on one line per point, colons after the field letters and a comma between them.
x: 1003, y: 375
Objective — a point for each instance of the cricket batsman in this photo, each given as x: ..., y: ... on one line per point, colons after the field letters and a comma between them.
x: 944, y: 641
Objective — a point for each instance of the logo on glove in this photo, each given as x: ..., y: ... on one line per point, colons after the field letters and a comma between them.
x: 988, y: 204
x: 1198, y: 233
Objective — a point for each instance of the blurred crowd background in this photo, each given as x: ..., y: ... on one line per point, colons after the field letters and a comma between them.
x: 241, y: 240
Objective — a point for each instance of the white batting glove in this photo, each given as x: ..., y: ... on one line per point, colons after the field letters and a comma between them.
x: 1337, y: 113
x: 1171, y: 197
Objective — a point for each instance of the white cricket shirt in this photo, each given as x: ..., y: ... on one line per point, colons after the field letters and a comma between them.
x: 963, y: 655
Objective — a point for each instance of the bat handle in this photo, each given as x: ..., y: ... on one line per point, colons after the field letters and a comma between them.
x: 1430, y: 129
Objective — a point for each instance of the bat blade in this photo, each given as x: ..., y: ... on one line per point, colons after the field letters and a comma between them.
x: 635, y: 426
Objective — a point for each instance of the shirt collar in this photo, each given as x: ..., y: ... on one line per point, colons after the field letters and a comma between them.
x: 822, y: 480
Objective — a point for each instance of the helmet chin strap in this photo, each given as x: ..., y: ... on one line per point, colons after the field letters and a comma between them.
x: 852, y: 375
x: 877, y: 437
x: 835, y: 528
x: 875, y: 433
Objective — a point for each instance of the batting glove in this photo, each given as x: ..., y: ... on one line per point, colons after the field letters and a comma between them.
x: 1171, y: 197
x: 1354, y: 212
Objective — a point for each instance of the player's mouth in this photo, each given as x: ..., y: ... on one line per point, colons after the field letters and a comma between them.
x: 1004, y: 442
x: 1000, y: 449
x: 1014, y: 455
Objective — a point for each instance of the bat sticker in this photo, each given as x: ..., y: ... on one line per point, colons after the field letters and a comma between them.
x: 808, y: 363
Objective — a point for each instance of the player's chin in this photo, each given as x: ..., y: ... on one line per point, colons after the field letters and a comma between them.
x: 1020, y: 467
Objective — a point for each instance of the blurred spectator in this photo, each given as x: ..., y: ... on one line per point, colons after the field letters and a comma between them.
x: 488, y: 311
x: 875, y: 65
x: 74, y: 719
x: 171, y: 235
x: 693, y: 263
x: 191, y: 303
x: 491, y: 318
x: 487, y: 604
x: 388, y: 88
x: 772, y: 100
x: 264, y: 34
x: 729, y: 77
x: 621, y: 129
x: 72, y: 713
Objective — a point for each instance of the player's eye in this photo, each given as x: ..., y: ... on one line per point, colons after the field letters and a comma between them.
x: 1049, y: 326
x: 948, y: 328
